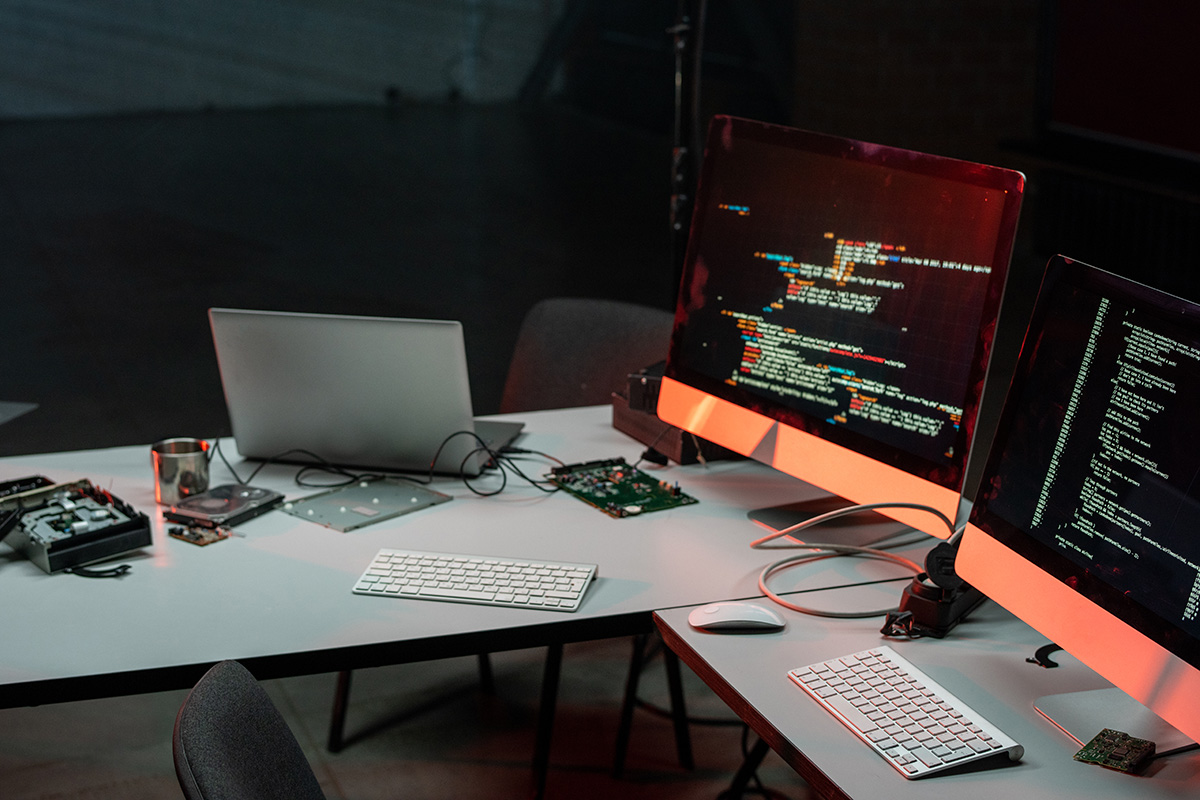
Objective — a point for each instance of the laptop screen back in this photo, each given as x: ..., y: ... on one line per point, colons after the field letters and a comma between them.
x: 358, y: 391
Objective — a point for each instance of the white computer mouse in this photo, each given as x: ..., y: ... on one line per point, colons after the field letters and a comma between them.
x: 735, y: 615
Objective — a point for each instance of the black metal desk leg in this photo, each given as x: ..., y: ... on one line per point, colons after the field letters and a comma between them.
x: 737, y: 787
x: 337, y: 719
x: 545, y: 725
x: 683, y: 738
x: 486, y: 680
x: 625, y: 725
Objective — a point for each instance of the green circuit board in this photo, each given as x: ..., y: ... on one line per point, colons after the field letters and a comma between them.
x: 1117, y: 750
x: 618, y: 489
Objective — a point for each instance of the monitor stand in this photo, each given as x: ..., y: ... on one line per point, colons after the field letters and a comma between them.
x: 860, y: 529
x: 1082, y: 715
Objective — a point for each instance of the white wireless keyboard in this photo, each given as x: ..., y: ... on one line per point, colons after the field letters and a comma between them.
x: 488, y: 580
x: 901, y: 713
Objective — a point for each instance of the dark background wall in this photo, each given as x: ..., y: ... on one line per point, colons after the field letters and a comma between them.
x: 463, y: 160
x: 1045, y: 86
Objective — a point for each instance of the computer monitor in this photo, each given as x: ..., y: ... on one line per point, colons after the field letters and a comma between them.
x: 1087, y: 520
x: 837, y: 310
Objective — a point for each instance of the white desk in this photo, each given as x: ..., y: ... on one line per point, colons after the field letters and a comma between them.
x: 279, y: 599
x: 983, y: 662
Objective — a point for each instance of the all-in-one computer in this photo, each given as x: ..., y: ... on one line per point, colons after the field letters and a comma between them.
x: 837, y: 311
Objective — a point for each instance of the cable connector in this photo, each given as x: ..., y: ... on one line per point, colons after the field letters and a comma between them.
x: 900, y: 624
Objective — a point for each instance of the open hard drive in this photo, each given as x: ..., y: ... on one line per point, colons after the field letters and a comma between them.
x: 224, y: 505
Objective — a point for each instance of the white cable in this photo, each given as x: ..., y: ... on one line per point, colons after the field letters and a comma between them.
x: 827, y: 550
x: 848, y: 510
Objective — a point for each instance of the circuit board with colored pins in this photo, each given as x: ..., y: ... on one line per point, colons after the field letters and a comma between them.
x: 618, y: 489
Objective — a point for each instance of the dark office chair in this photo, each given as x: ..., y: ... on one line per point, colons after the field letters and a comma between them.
x: 231, y: 742
x: 575, y: 351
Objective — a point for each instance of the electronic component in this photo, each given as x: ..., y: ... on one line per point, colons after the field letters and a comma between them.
x: 366, y: 502
x: 935, y: 601
x: 486, y: 580
x: 618, y: 489
x: 226, y: 505
x: 67, y: 525
x: 1117, y: 750
x: 198, y: 534
x: 8, y: 521
x: 24, y: 485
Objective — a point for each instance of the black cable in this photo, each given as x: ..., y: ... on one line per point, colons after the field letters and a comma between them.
x: 650, y: 447
x: 225, y: 461
x: 902, y: 623
x: 544, y: 486
x: 321, y: 465
x: 482, y: 445
x: 466, y: 479
x: 1041, y: 656
x: 502, y: 460
x: 88, y: 572
x: 509, y: 451
x: 347, y: 476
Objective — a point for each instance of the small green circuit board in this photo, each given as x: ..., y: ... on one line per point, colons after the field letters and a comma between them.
x: 618, y: 489
x: 1117, y: 750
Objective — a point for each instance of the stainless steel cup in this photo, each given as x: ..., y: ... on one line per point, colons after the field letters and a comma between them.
x: 180, y: 469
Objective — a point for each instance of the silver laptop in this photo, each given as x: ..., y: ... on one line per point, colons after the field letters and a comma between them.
x: 366, y: 392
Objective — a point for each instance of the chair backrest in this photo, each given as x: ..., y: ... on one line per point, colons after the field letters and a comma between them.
x: 230, y: 742
x: 577, y: 351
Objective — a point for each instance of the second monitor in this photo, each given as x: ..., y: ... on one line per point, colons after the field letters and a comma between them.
x: 837, y: 311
